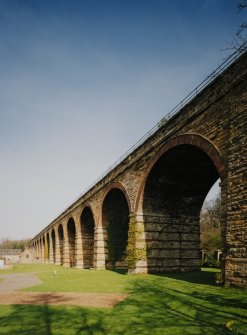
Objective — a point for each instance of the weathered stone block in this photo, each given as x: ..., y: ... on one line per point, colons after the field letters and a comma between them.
x: 190, y: 254
x: 191, y: 262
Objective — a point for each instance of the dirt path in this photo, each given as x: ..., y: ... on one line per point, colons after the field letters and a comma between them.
x: 62, y: 298
x: 10, y: 295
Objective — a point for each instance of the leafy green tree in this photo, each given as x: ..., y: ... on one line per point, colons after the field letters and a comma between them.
x: 210, y: 225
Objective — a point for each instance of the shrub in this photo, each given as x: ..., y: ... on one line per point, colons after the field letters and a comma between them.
x: 210, y: 261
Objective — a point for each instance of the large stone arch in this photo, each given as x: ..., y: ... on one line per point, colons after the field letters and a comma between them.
x: 173, y: 190
x: 193, y: 139
x: 71, y: 231
x: 47, y: 246
x: 53, y: 244
x: 60, y: 234
x: 115, y: 219
x: 87, y: 225
x: 122, y: 188
x: 40, y: 250
x: 43, y: 248
x: 35, y: 250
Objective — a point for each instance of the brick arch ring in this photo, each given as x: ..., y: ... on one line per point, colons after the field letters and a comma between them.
x: 119, y: 186
x: 87, y: 205
x: 193, y: 139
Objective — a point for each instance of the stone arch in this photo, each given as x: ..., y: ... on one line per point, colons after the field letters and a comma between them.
x: 60, y: 232
x: 40, y: 250
x: 87, y: 225
x: 174, y: 188
x: 71, y: 230
x: 121, y: 187
x: 43, y: 248
x: 53, y: 243
x: 190, y: 139
x: 36, y: 251
x: 38, y: 245
x: 115, y: 219
x: 47, y: 247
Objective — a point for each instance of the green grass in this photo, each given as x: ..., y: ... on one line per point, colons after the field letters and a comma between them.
x: 35, y: 268
x: 73, y: 280
x: 174, y: 304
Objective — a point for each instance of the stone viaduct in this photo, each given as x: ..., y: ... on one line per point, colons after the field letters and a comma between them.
x: 144, y: 214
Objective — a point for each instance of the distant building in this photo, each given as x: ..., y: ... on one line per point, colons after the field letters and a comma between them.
x: 10, y: 256
x: 26, y: 256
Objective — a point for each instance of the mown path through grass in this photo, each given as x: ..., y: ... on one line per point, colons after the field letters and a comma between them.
x: 16, y: 281
x: 176, y: 304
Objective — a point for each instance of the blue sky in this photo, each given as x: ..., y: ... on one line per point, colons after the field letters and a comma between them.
x: 82, y: 81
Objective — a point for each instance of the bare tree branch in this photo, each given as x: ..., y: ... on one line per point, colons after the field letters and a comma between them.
x: 241, y: 5
x: 241, y: 33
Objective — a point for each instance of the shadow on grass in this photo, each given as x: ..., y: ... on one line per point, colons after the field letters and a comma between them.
x: 206, y: 277
x: 49, y: 320
x: 183, y: 308
x: 119, y: 271
x: 157, y: 305
x: 203, y: 277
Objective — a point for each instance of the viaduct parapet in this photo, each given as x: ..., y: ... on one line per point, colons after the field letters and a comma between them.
x: 144, y: 214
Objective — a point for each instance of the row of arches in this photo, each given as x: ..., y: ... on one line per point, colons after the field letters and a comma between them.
x: 167, y: 211
x: 56, y: 243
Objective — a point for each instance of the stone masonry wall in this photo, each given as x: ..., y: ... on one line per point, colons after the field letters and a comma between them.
x: 215, y: 123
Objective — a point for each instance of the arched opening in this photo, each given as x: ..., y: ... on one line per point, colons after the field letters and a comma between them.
x: 36, y: 250
x: 44, y: 249
x: 174, y: 192
x: 61, y: 243
x: 211, y: 229
x: 87, y: 232
x: 71, y: 240
x: 47, y: 247
x: 53, y: 239
x: 40, y: 250
x: 116, y: 221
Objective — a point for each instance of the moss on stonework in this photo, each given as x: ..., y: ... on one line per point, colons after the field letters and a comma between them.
x: 134, y: 253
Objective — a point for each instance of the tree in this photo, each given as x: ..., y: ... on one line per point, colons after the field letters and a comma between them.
x: 210, y: 225
x: 241, y: 34
x: 6, y: 243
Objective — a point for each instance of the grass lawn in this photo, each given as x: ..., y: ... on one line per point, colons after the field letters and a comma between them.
x: 172, y: 304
